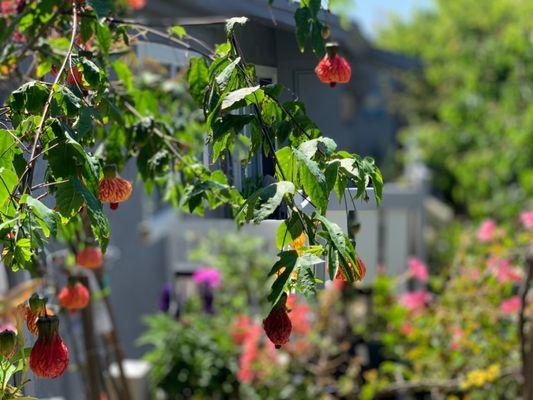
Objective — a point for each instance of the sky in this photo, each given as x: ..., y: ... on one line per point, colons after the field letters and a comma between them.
x: 370, y: 14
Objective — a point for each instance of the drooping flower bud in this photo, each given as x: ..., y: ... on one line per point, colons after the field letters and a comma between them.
x: 37, y: 308
x: 333, y: 68
x: 90, y: 257
x: 278, y: 325
x: 49, y: 355
x: 74, y: 296
x: 113, y: 189
x: 8, y: 342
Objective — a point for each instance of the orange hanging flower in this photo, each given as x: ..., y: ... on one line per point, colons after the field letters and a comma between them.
x: 90, y: 257
x: 74, y: 296
x: 37, y: 308
x: 358, y: 273
x: 113, y: 189
x: 137, y: 4
x: 333, y: 68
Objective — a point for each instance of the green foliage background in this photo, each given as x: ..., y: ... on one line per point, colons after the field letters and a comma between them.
x: 469, y: 110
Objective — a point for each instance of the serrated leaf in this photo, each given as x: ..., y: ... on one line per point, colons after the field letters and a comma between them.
x: 287, y: 166
x: 312, y: 180
x: 237, y: 95
x: 68, y: 199
x: 306, y: 282
x: 288, y: 231
x: 99, y: 222
x: 46, y: 217
x: 287, y: 262
x: 264, y: 201
x: 224, y: 77
x: 198, y: 78
x: 323, y: 144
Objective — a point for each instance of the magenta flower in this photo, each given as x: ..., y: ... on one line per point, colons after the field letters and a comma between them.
x: 418, y: 270
x: 415, y: 300
x: 511, y: 306
x: 208, y: 276
x: 526, y: 218
x: 486, y: 231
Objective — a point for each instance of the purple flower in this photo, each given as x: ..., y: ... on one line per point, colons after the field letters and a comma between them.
x: 164, y: 299
x: 208, y: 276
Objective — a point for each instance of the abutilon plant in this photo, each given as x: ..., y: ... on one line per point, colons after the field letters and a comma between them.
x: 70, y: 117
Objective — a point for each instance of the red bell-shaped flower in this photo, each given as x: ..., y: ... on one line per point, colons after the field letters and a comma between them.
x: 278, y: 325
x: 359, y: 272
x: 333, y: 68
x: 113, y: 189
x: 90, y: 257
x: 74, y: 296
x: 49, y: 355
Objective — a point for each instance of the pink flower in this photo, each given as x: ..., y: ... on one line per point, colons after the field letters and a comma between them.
x: 406, y: 329
x: 526, y: 218
x: 486, y: 231
x: 415, y: 300
x: 418, y: 270
x: 511, y: 306
x: 502, y: 269
x: 208, y: 276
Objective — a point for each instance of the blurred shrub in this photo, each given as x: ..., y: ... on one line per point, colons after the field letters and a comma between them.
x: 469, y: 111
x: 454, y: 334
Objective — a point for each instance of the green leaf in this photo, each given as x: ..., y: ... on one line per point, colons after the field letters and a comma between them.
x: 301, y: 18
x: 264, y: 201
x: 288, y: 164
x: 317, y: 41
x: 178, y: 31
x: 313, y: 180
x: 325, y: 145
x: 335, y: 233
x: 68, y: 199
x: 102, y: 8
x: 124, y: 73
x: 46, y: 217
x: 230, y: 24
x: 306, y: 282
x: 224, y: 77
x: 31, y: 97
x: 103, y: 36
x: 237, y: 95
x: 67, y: 101
x: 8, y: 181
x: 99, y: 222
x: 287, y: 261
x: 288, y: 231
x: 91, y: 72
x: 198, y: 78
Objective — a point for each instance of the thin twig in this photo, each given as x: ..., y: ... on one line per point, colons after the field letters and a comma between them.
x: 40, y: 128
